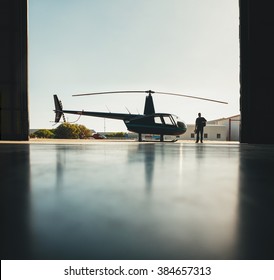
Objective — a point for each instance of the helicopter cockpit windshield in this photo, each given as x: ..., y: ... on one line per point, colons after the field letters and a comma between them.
x: 179, y: 122
x: 169, y: 120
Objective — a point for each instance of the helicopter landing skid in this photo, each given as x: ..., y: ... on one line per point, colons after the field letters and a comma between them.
x: 157, y: 141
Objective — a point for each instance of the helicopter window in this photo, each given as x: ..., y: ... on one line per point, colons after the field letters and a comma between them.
x: 168, y: 120
x: 157, y: 120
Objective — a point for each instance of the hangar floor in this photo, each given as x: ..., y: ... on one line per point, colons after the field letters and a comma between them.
x: 129, y: 200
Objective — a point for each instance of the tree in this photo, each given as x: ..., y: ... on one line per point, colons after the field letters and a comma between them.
x: 43, y: 133
x: 117, y: 134
x: 72, y: 131
x: 84, y: 132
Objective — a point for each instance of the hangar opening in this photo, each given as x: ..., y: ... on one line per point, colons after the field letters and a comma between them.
x: 256, y: 75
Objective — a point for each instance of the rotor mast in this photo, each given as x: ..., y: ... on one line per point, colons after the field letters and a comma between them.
x: 149, y: 105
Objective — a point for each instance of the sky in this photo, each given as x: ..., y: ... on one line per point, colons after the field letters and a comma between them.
x: 182, y: 46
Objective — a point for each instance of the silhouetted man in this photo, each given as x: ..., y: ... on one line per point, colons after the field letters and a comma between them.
x: 199, y: 128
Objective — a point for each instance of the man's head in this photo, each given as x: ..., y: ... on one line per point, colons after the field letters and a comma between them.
x: 199, y: 114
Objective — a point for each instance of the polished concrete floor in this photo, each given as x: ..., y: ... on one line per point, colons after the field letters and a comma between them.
x: 129, y: 200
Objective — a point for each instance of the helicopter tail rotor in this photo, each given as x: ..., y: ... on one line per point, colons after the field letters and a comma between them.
x: 58, y: 109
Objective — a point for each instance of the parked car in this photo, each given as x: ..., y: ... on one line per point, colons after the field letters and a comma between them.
x: 98, y: 136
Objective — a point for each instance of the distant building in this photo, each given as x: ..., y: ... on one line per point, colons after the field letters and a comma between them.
x: 232, y: 125
x: 224, y: 129
x: 211, y: 132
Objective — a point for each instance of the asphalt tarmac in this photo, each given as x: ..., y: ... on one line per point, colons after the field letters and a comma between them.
x: 128, y: 200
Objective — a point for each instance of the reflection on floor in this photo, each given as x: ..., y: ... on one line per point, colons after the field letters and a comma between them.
x: 130, y: 200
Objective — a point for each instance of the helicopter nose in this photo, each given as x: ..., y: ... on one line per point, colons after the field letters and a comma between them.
x: 181, y: 124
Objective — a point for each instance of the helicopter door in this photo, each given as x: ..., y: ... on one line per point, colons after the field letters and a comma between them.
x: 158, y: 120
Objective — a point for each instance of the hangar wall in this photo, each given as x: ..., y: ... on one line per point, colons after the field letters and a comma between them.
x: 14, y: 118
x: 257, y: 71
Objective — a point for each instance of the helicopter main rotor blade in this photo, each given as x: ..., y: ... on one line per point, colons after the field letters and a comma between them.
x: 109, y: 92
x: 150, y: 92
x: 191, y: 96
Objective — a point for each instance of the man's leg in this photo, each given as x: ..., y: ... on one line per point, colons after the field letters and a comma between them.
x: 197, y: 136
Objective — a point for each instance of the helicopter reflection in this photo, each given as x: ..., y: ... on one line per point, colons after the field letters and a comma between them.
x: 147, y: 161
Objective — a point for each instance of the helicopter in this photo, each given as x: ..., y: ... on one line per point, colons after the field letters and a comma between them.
x: 149, y: 122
